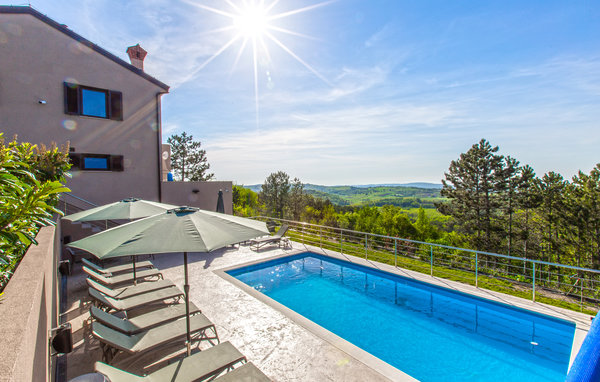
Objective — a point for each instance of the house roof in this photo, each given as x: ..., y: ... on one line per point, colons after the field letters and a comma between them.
x: 62, y: 28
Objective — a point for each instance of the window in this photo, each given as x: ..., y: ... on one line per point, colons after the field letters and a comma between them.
x: 96, y: 162
x: 93, y: 102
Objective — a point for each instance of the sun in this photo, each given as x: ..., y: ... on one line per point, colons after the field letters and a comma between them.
x: 253, y: 23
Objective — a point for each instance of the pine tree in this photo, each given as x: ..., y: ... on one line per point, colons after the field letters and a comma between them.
x: 472, y: 184
x: 188, y: 161
x: 275, y: 193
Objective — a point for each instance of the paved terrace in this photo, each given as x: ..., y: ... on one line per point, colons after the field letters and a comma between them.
x: 284, y: 345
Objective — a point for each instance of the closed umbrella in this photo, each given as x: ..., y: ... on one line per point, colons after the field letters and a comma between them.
x: 183, y: 229
x: 220, y: 204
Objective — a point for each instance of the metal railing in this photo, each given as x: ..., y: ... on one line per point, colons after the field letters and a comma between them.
x: 529, y: 278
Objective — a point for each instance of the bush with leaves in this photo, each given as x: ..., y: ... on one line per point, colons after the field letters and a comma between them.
x: 31, y: 179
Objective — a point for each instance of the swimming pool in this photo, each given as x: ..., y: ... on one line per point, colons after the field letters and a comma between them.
x: 428, y: 332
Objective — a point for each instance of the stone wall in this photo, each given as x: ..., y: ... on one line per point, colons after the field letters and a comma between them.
x: 28, y: 310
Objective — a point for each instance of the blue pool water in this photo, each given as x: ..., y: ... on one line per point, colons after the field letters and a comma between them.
x: 428, y: 332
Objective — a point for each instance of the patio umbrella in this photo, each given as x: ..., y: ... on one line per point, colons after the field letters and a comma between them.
x: 183, y: 229
x: 126, y: 209
x: 220, y: 204
x: 130, y: 208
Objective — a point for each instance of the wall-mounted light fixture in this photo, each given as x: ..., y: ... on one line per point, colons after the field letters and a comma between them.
x: 42, y: 102
x: 195, y: 191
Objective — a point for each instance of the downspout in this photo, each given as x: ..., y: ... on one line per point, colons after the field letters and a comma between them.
x: 159, y: 142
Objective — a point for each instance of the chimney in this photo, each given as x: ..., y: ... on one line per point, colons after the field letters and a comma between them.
x: 136, y: 55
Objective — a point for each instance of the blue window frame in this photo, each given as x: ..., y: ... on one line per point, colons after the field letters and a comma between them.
x: 96, y: 163
x: 93, y: 103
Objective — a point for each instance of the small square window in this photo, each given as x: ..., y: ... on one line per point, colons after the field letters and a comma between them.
x: 93, y: 103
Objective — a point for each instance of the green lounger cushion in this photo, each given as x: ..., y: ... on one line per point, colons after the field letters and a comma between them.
x: 245, y: 373
x: 155, y: 337
x: 122, y: 278
x: 144, y: 321
x: 136, y: 301
x: 131, y: 290
x: 111, y: 271
x: 198, y: 366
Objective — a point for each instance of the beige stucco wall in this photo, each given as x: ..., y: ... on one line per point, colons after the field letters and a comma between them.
x: 35, y: 60
x: 28, y: 310
x: 182, y: 194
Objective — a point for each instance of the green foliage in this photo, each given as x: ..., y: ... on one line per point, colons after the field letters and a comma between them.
x: 188, y: 161
x: 30, y: 180
x: 500, y: 206
x: 275, y: 193
x: 245, y: 202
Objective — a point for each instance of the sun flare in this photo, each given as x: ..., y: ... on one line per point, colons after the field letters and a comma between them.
x: 252, y: 21
x: 253, y: 24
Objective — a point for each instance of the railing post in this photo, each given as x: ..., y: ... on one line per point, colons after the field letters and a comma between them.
x: 476, y: 270
x: 341, y: 242
x: 581, y: 294
x: 366, y: 247
x: 533, y: 282
x: 431, y: 259
x: 396, y: 253
x: 320, y: 238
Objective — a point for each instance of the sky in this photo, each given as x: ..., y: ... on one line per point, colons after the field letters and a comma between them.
x: 363, y: 91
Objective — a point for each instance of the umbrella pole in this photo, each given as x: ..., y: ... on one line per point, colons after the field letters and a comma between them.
x: 186, y: 288
x: 134, y: 278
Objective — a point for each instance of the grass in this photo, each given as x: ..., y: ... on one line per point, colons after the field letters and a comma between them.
x: 503, y: 285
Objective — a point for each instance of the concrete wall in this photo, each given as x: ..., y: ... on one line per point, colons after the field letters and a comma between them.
x: 35, y: 60
x: 182, y: 194
x: 28, y: 310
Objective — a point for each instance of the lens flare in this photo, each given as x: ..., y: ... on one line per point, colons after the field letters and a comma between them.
x: 69, y: 124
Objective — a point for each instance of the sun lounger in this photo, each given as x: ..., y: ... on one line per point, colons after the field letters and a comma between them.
x: 126, y: 278
x: 131, y: 290
x: 144, y: 321
x: 270, y: 239
x: 112, y: 340
x: 109, y: 304
x: 123, y: 268
x: 199, y: 366
x: 245, y: 373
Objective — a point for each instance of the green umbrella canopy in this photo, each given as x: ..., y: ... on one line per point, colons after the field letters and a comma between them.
x: 183, y: 229
x: 130, y: 208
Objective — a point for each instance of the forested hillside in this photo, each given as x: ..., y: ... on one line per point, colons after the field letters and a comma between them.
x: 489, y: 202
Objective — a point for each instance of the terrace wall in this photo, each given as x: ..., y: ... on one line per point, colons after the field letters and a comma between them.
x: 28, y: 310
x: 203, y: 195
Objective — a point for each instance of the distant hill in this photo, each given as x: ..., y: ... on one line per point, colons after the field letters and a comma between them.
x: 409, y: 195
x: 413, y: 185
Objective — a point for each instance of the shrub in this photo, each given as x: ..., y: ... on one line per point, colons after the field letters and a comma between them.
x: 31, y: 179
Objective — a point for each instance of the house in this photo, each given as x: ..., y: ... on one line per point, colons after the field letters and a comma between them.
x: 56, y: 86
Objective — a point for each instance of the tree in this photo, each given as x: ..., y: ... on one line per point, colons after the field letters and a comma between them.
x: 275, y: 193
x: 188, y: 161
x: 245, y: 201
x: 528, y: 200
x: 472, y: 185
x: 585, y: 214
x: 297, y: 201
x: 552, y: 186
